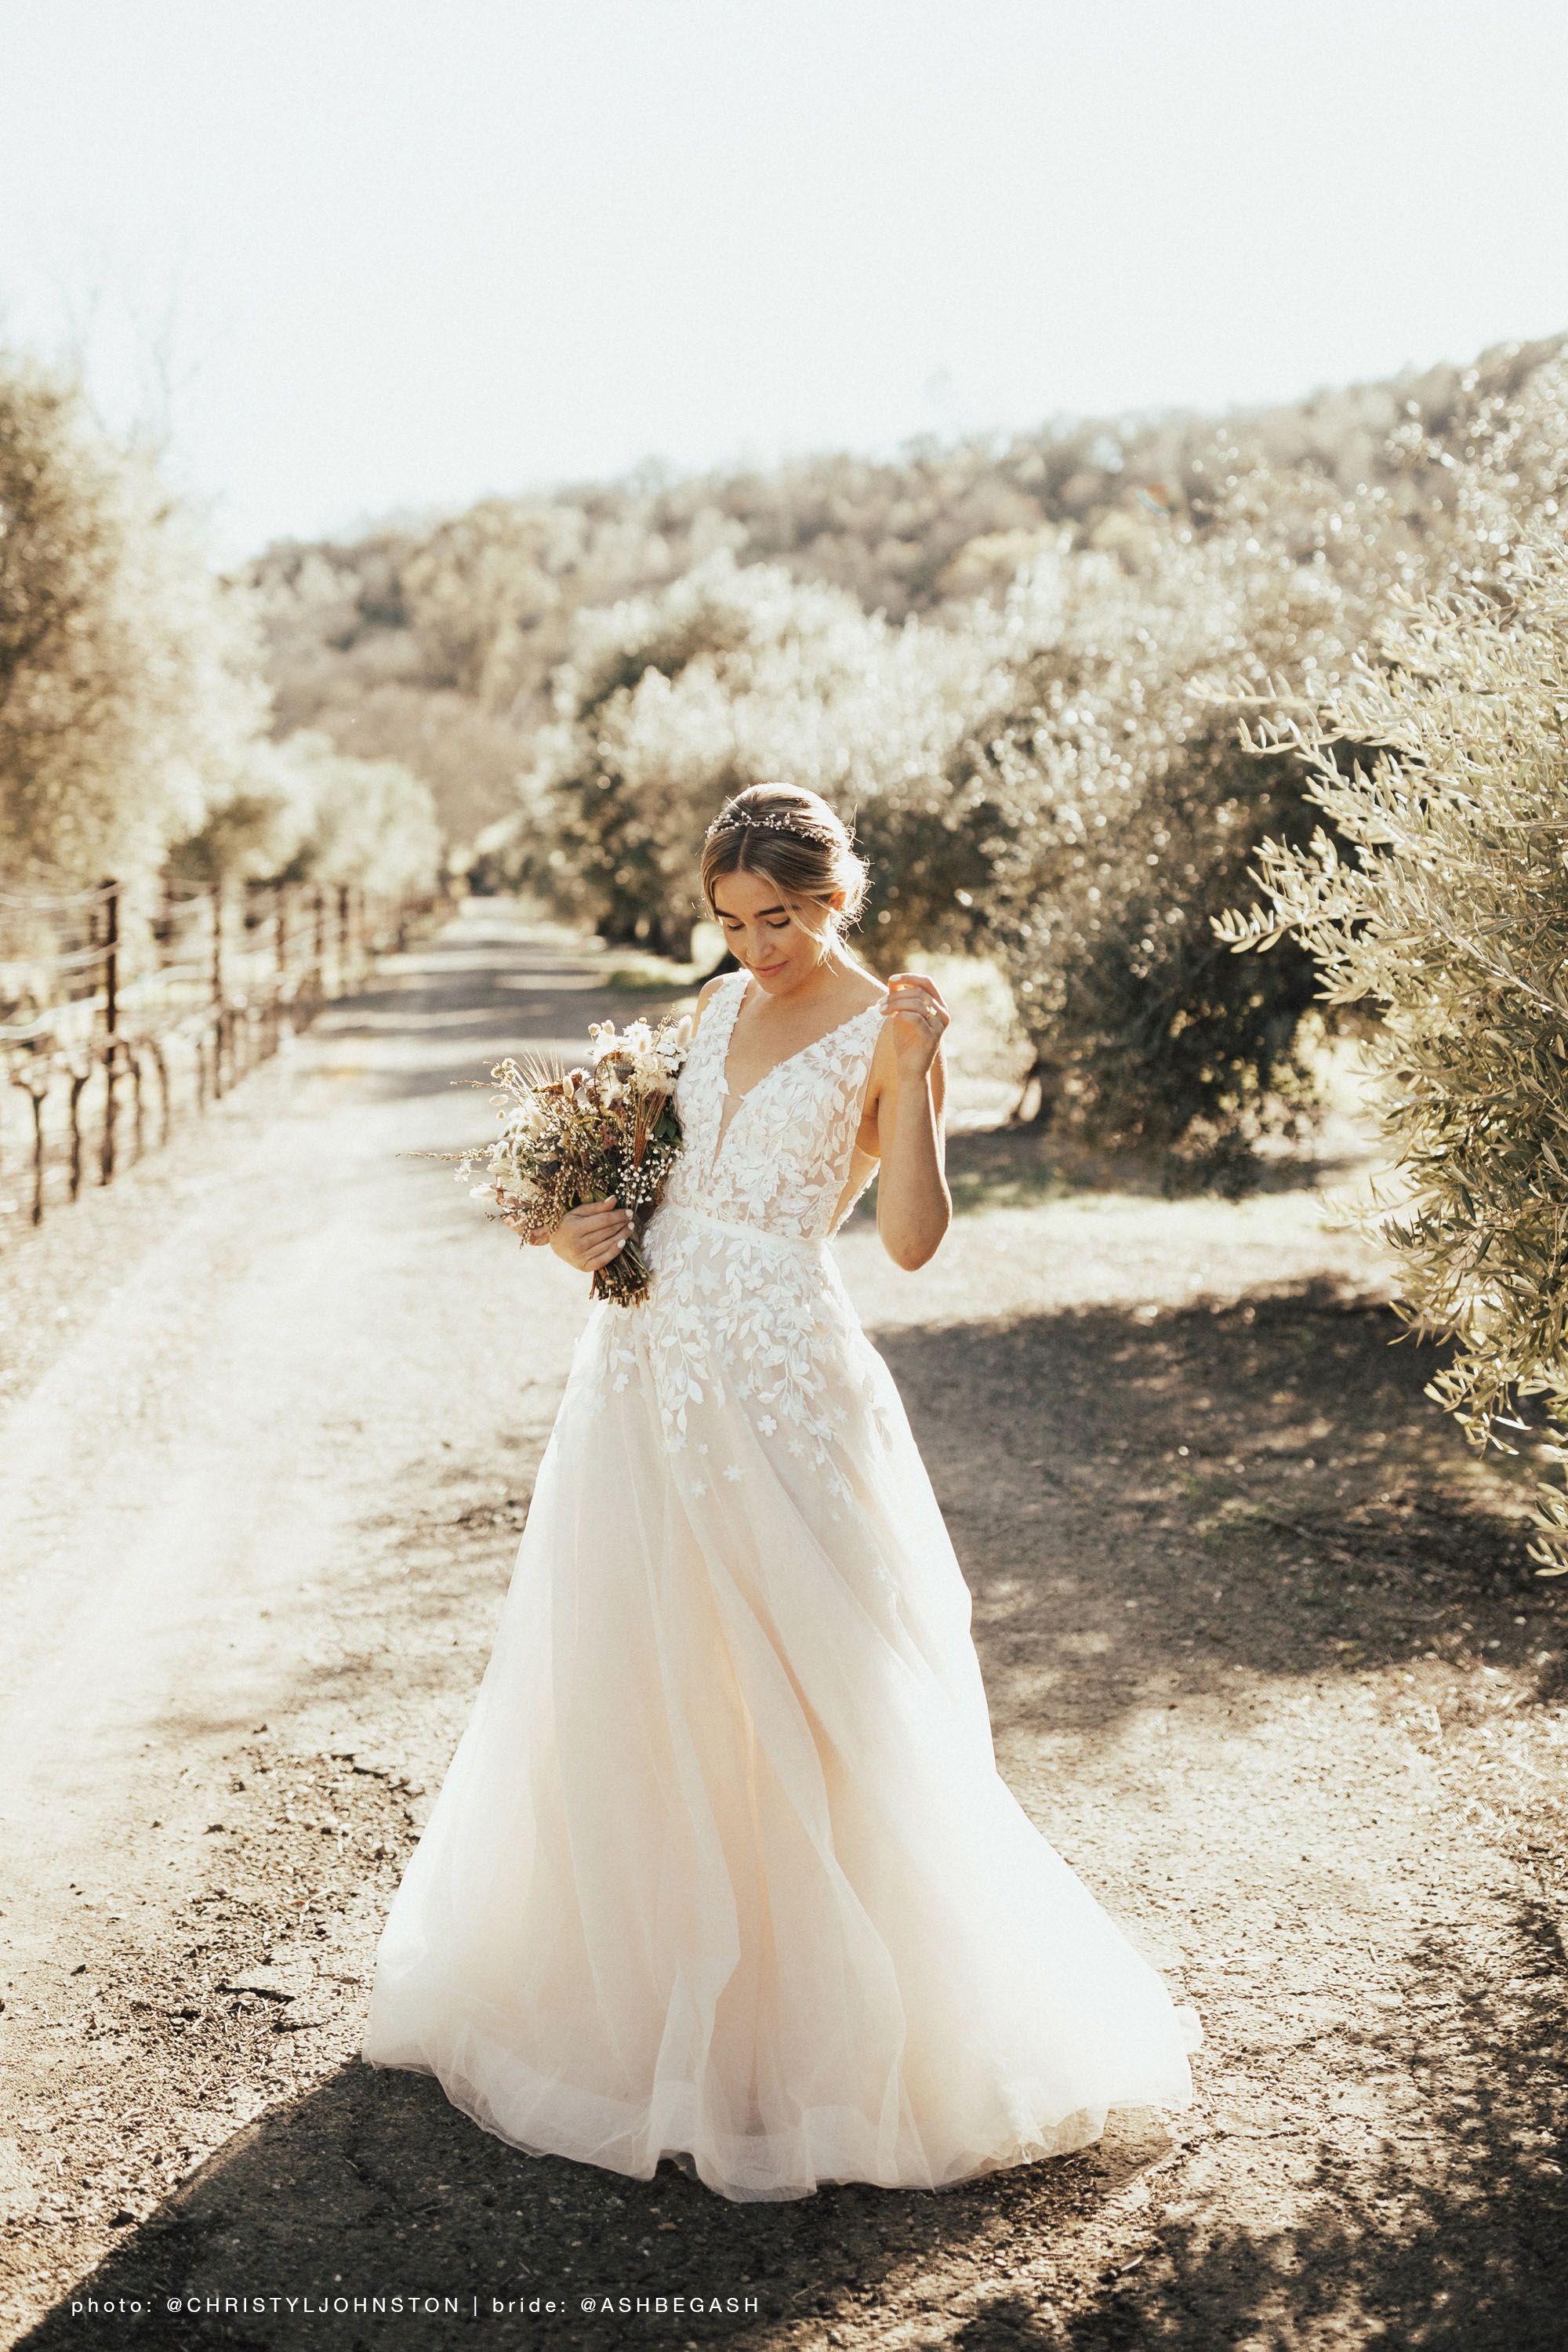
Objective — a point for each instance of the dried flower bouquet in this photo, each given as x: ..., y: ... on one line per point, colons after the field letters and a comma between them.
x: 570, y: 1136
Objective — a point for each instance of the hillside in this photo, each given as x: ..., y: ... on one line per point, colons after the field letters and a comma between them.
x: 436, y: 646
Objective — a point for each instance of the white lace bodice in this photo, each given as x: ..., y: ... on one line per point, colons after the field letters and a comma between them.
x: 746, y: 1310
x: 784, y: 1158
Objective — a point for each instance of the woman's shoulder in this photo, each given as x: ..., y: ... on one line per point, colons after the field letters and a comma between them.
x: 869, y: 990
x: 713, y: 988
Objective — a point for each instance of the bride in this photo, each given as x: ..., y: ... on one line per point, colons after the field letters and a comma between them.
x: 722, y: 1868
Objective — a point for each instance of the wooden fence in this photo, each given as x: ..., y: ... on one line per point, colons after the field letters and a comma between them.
x: 118, y: 1019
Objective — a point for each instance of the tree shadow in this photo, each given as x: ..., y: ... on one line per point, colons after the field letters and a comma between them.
x: 1239, y: 1492
x: 1023, y: 1167
x: 374, y: 2185
x: 1278, y: 1453
x: 1453, y: 2237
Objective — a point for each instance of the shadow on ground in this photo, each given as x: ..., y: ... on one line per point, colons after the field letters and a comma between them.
x: 1454, y: 2240
x: 375, y: 2186
x: 1022, y: 1167
x: 1247, y: 1490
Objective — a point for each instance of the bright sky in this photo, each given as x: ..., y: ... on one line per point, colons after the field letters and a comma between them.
x: 370, y: 256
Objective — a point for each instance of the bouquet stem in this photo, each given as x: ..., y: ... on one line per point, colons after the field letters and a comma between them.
x: 626, y: 1278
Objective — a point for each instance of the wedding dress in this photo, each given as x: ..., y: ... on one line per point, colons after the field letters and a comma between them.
x: 722, y: 1868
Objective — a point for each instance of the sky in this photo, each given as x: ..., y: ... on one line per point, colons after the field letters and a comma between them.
x: 352, y: 258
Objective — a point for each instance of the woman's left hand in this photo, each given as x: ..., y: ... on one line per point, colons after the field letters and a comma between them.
x: 918, y: 1016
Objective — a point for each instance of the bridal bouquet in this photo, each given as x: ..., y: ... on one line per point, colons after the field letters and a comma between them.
x: 569, y: 1137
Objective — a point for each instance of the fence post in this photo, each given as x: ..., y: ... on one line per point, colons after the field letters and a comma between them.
x: 110, y: 1024
x: 25, y: 1076
x: 76, y: 1081
x: 218, y: 991
x: 162, y: 1066
x: 281, y: 991
x: 36, y: 1096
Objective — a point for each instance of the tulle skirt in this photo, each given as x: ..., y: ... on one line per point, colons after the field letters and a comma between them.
x: 722, y: 1868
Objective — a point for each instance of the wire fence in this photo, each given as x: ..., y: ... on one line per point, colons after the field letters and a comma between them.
x: 118, y: 1019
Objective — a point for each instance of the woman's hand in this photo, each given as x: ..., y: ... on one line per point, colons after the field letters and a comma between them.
x: 913, y: 1204
x: 918, y: 1016
x: 590, y: 1237
x: 526, y: 1234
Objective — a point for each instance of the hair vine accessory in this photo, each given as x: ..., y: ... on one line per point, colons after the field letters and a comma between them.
x: 731, y: 819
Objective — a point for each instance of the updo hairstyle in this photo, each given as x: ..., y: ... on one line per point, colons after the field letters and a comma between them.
x: 792, y: 838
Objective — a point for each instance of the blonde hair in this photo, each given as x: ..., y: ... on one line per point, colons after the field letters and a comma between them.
x: 792, y: 838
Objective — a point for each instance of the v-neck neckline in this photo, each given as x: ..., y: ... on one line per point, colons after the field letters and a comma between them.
x: 726, y: 1126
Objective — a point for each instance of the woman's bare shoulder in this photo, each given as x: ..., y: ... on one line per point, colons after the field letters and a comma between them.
x: 869, y: 989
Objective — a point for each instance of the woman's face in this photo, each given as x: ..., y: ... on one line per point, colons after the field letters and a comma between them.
x: 762, y: 936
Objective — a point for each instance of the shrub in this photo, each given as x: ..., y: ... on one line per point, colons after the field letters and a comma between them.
x: 1440, y: 898
x: 1128, y: 805
x: 672, y: 701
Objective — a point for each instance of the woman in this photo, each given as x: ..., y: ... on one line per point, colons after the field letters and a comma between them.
x: 723, y: 1869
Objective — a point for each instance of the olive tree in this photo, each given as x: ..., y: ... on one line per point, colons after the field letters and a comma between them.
x: 732, y: 676
x: 1125, y: 806
x: 1439, y: 899
x: 130, y: 684
x: 308, y: 812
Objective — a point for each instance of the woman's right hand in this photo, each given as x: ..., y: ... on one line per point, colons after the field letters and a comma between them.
x: 590, y: 1237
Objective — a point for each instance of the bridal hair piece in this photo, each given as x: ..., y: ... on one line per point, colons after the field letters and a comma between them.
x: 790, y: 837
x: 732, y: 818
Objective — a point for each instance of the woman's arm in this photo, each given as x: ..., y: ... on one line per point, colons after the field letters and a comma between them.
x: 913, y: 1204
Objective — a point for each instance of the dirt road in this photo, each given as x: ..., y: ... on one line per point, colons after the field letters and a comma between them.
x: 1265, y: 1660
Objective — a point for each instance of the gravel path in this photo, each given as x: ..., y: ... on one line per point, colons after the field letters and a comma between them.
x: 1267, y: 1662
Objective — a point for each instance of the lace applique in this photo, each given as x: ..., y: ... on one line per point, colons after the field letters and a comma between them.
x: 782, y: 1162
x: 746, y: 1304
